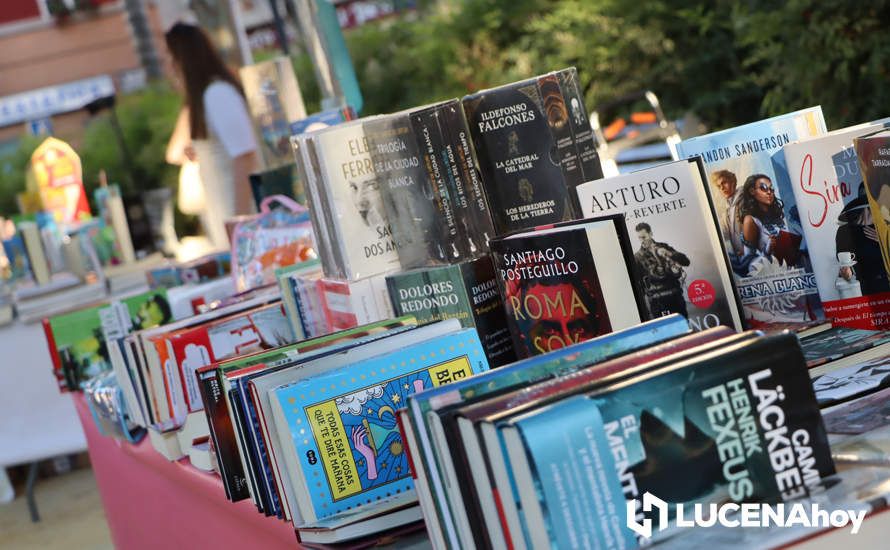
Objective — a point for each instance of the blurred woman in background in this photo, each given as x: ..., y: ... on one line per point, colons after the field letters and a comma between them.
x: 213, y: 128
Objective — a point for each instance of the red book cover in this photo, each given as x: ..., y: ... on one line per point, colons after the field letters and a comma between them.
x: 335, y: 299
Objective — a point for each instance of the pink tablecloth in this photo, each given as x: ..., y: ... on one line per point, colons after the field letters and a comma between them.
x: 153, y: 503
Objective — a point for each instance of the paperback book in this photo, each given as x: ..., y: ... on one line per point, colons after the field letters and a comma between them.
x: 873, y: 152
x: 567, y: 283
x: 346, y: 435
x: 534, y: 146
x: 78, y: 341
x: 679, y: 260
x: 686, y: 433
x: 466, y: 291
x: 839, y: 227
x: 350, y: 197
x: 761, y: 225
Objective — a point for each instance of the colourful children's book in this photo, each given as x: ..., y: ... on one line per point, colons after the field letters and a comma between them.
x: 343, y: 424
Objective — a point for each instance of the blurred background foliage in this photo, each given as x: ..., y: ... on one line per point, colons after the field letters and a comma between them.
x: 727, y: 61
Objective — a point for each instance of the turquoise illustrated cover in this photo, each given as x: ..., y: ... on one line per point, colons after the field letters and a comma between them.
x: 343, y: 424
x: 582, y: 499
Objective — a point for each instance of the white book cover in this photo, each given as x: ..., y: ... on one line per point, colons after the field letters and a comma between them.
x: 839, y: 227
x: 679, y: 260
x: 360, y: 226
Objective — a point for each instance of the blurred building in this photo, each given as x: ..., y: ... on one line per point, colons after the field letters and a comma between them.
x: 57, y: 55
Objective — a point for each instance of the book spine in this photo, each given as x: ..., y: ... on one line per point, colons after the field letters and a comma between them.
x: 58, y: 372
x: 588, y: 157
x: 480, y: 286
x: 557, y: 113
x: 479, y: 227
x: 430, y: 143
x: 455, y: 185
x: 222, y: 435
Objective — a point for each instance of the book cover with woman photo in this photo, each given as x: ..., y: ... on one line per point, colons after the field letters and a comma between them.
x: 840, y: 228
x: 759, y: 219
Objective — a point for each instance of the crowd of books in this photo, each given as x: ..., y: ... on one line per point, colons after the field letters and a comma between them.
x: 500, y: 345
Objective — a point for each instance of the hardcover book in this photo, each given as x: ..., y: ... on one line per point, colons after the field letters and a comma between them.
x: 703, y: 430
x: 408, y: 194
x: 567, y: 283
x: 760, y: 222
x: 679, y: 260
x: 534, y: 146
x: 350, y: 194
x: 466, y: 291
x: 838, y: 225
x: 344, y: 428
x: 873, y: 152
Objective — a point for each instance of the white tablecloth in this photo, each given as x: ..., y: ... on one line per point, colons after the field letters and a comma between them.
x: 36, y: 421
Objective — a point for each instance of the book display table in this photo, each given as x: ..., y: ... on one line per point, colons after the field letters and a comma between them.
x: 151, y: 502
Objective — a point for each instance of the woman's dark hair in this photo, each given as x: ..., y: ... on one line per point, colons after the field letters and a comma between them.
x: 749, y: 205
x: 199, y: 65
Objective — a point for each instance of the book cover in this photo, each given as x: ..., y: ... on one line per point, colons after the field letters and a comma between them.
x: 519, y: 374
x: 839, y: 342
x: 842, y: 384
x: 465, y: 450
x: 471, y: 207
x: 528, y: 154
x: 407, y: 192
x: 873, y: 153
x: 858, y: 416
x: 222, y: 430
x: 466, y: 291
x: 679, y: 260
x: 34, y: 246
x: 283, y: 180
x: 344, y: 428
x: 322, y: 119
x: 708, y: 429
x: 274, y: 100
x: 568, y: 283
x: 359, y: 224
x: 14, y: 249
x: 432, y: 141
x: 285, y: 277
x: 753, y: 194
x: 840, y: 229
x: 77, y: 341
x: 582, y: 502
x: 192, y: 348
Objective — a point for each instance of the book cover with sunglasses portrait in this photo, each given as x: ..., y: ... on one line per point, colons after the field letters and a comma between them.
x: 760, y: 222
x: 839, y: 227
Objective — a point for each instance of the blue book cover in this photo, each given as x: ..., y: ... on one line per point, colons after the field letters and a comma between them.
x: 531, y: 370
x: 322, y: 119
x: 19, y: 267
x: 343, y: 424
x: 574, y: 474
x: 759, y: 220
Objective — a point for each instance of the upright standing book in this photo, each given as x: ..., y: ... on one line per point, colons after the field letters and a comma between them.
x: 534, y: 146
x: 873, y: 152
x: 680, y: 263
x: 351, y: 200
x: 760, y: 222
x: 839, y: 227
x: 567, y: 283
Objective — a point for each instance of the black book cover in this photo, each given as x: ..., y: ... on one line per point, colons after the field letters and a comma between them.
x: 230, y: 469
x: 580, y: 124
x: 409, y: 196
x: 471, y: 208
x: 551, y: 283
x: 526, y: 152
x: 261, y: 500
x: 432, y: 144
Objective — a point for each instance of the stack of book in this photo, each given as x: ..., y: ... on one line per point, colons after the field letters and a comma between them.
x: 355, y: 397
